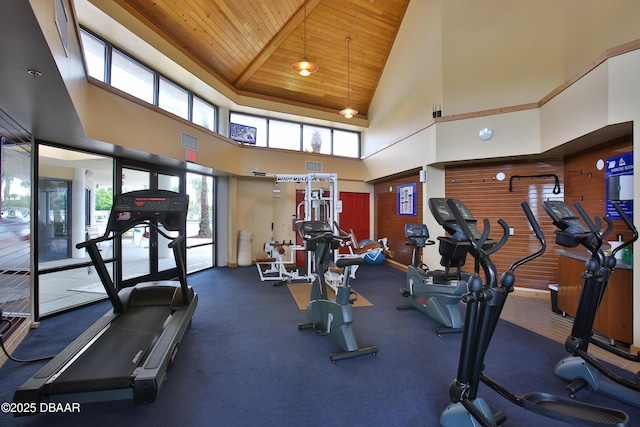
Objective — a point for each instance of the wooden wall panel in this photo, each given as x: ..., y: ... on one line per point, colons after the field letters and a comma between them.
x: 476, y: 186
x: 387, y: 221
x: 489, y: 198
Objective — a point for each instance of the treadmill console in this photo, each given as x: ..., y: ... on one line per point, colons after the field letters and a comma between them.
x: 165, y: 207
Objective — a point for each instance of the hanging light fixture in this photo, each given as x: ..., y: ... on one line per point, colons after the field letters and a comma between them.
x: 304, y: 67
x: 348, y: 112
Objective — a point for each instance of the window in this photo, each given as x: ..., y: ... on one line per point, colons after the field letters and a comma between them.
x: 203, y: 114
x: 284, y: 135
x: 95, y: 53
x: 173, y: 98
x: 316, y: 139
x: 346, y: 143
x: 297, y: 136
x: 112, y: 66
x: 132, y: 77
x: 260, y: 123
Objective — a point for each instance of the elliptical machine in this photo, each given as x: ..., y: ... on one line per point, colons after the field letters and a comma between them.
x: 484, y: 305
x: 331, y: 317
x: 582, y: 369
x: 437, y: 292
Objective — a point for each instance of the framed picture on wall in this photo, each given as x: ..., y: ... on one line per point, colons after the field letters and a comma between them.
x: 619, y: 185
x: 407, y: 199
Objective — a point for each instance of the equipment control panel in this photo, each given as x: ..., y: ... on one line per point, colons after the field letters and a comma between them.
x: 166, y: 207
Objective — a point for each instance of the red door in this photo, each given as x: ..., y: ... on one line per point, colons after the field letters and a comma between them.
x: 354, y: 216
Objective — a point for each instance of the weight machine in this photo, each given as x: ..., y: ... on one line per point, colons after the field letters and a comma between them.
x: 320, y: 204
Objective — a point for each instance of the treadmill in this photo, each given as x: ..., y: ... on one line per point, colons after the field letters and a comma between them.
x: 126, y: 354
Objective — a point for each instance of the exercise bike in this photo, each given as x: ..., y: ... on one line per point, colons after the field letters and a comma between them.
x: 437, y: 292
x: 582, y: 369
x: 331, y: 317
x: 485, y: 302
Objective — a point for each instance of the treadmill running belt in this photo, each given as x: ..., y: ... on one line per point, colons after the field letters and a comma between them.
x: 128, y: 340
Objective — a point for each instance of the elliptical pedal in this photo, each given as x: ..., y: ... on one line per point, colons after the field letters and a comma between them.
x: 572, y: 411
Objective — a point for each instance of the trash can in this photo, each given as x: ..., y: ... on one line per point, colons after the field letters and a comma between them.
x: 554, y: 298
x: 245, y: 243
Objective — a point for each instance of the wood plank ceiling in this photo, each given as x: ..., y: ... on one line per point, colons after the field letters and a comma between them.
x: 250, y: 45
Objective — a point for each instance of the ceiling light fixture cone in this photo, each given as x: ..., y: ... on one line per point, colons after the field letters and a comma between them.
x: 304, y: 67
x: 348, y: 112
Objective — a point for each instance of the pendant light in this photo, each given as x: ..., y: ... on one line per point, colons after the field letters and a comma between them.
x: 348, y: 112
x: 304, y: 67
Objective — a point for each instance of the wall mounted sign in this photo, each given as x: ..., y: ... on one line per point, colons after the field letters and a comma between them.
x: 619, y: 179
x: 407, y: 199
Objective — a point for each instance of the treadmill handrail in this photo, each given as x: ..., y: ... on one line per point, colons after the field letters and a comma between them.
x: 130, y: 222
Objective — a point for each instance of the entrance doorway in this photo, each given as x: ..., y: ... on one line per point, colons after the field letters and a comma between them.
x: 75, y: 194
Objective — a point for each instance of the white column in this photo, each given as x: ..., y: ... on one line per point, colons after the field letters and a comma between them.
x: 78, y: 231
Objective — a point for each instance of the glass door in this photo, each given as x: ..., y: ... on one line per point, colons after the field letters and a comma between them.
x: 74, y: 197
x: 200, y: 223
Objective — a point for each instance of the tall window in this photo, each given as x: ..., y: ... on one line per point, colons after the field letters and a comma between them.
x: 260, y: 123
x: 111, y: 65
x: 132, y: 77
x: 284, y: 135
x: 95, y: 53
x: 346, y: 143
x: 203, y: 114
x: 316, y: 139
x: 173, y: 98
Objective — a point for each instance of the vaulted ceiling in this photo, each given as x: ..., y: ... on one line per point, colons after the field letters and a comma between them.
x: 250, y: 45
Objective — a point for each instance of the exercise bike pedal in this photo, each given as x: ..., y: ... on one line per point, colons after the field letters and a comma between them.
x: 352, y: 300
x: 302, y: 326
x: 575, y: 386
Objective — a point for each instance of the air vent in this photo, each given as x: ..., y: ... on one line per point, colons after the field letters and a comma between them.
x: 314, y: 167
x: 189, y: 142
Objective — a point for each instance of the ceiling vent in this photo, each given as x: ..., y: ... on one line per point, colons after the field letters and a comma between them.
x: 313, y: 167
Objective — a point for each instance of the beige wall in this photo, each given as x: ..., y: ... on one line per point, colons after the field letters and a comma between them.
x: 256, y: 210
x: 472, y: 56
x: 411, y: 81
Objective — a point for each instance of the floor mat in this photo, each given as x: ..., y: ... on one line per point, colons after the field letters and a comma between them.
x: 302, y: 291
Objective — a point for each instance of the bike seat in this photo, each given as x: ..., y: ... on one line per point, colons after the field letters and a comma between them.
x: 349, y: 260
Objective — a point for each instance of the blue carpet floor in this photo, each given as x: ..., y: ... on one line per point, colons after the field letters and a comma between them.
x: 244, y: 362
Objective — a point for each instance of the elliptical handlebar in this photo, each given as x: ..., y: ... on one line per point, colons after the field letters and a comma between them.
x: 503, y: 239
x: 539, y: 235
x: 595, y: 230
x: 630, y: 226
x: 478, y: 244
